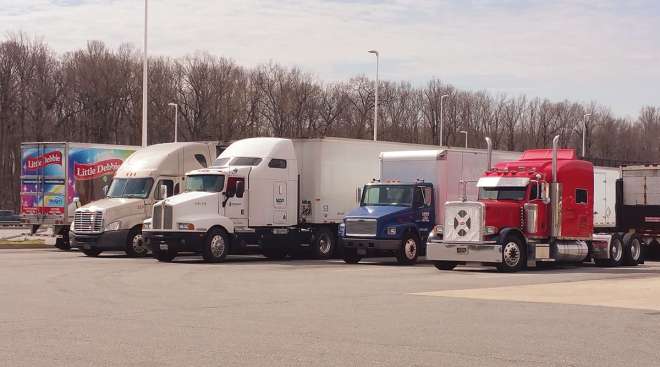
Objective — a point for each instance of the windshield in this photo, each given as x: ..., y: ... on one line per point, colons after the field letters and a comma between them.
x: 502, y: 193
x: 206, y: 183
x: 237, y: 161
x: 398, y: 195
x: 130, y: 188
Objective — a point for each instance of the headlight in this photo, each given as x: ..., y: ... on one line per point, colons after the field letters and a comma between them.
x: 490, y: 230
x: 186, y: 226
x: 437, y: 230
x: 112, y: 226
x: 391, y: 231
x: 146, y: 225
x: 72, y: 226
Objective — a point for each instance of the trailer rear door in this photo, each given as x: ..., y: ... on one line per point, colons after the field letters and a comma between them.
x: 43, y: 182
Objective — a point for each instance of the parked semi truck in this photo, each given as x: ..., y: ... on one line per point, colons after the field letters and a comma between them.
x: 54, y: 174
x: 115, y: 222
x: 269, y: 195
x: 397, y: 212
x: 539, y: 208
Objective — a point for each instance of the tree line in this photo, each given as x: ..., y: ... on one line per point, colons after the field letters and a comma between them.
x: 95, y: 95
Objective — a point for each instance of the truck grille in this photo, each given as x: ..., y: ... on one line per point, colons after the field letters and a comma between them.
x: 463, y: 221
x: 361, y: 227
x: 157, y: 218
x: 167, y: 217
x: 88, y: 221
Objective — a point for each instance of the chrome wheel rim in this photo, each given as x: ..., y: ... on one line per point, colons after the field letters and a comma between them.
x: 410, y: 248
x: 511, y: 254
x: 324, y: 244
x: 635, y: 249
x: 217, y: 245
x: 615, y: 251
x: 138, y: 245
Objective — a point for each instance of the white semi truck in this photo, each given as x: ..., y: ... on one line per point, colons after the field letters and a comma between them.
x: 115, y: 222
x: 271, y: 195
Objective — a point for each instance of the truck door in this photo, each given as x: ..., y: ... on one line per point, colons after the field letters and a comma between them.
x: 236, y: 207
x: 424, y: 211
x: 279, y: 202
x: 43, y: 180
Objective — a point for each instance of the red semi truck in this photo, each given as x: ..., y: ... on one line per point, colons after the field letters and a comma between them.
x: 539, y: 208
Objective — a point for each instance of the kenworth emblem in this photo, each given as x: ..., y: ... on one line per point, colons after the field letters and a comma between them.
x: 462, y: 223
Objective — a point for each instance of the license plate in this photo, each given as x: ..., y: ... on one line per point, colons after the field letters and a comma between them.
x: 163, y: 247
x: 461, y: 250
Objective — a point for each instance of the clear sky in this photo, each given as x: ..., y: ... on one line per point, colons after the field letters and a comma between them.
x: 583, y: 50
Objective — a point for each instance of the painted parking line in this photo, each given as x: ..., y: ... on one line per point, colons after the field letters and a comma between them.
x: 635, y: 293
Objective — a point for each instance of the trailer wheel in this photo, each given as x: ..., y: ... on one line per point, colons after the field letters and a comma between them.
x: 632, y: 250
x: 445, y: 265
x: 92, y: 252
x: 351, y: 256
x: 135, y: 244
x: 616, y: 253
x: 513, y: 255
x: 216, y: 246
x: 407, y: 254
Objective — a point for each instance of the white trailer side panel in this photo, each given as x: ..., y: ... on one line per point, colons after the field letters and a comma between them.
x: 605, y: 196
x: 641, y: 185
x: 332, y: 170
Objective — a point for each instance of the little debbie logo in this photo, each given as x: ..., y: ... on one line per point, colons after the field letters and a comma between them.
x: 44, y: 160
x: 89, y: 171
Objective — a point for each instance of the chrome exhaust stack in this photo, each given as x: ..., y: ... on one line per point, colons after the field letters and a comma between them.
x: 555, y: 192
x: 555, y: 147
x: 489, y: 143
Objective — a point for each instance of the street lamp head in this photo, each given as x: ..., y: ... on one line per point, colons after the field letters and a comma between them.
x: 373, y: 52
x: 444, y: 96
x: 587, y: 115
x: 172, y: 104
x: 463, y: 132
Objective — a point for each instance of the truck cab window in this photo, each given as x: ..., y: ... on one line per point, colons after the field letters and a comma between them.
x: 201, y: 160
x: 130, y: 188
x: 205, y: 183
x: 534, y: 191
x: 581, y: 196
x: 220, y: 162
x: 245, y: 161
x: 232, y: 186
x: 387, y: 195
x: 277, y: 163
x: 170, y: 188
x: 428, y: 196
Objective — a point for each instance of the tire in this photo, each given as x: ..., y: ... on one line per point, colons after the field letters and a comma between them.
x: 216, y: 246
x: 135, y: 244
x: 445, y: 265
x: 62, y: 244
x: 632, y: 250
x: 513, y: 255
x: 274, y: 253
x: 616, y: 253
x: 351, y: 256
x: 324, y: 243
x: 165, y: 256
x: 407, y: 253
x: 92, y: 252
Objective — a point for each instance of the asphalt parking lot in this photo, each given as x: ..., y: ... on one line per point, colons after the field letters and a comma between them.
x: 64, y: 309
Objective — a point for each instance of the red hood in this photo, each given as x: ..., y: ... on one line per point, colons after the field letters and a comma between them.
x: 502, y: 214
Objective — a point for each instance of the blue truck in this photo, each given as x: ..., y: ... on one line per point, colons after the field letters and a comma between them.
x: 397, y: 212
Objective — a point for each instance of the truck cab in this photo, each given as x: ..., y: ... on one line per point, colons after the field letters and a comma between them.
x: 393, y: 219
x: 148, y: 175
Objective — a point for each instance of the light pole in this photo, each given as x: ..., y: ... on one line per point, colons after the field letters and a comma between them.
x: 442, y: 116
x: 376, y: 102
x: 464, y: 132
x: 144, y: 81
x: 584, y: 134
x: 176, y: 119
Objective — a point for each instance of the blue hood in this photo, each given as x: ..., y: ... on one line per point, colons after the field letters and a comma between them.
x: 375, y: 212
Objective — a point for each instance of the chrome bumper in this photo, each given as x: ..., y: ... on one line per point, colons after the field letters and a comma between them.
x: 485, y: 251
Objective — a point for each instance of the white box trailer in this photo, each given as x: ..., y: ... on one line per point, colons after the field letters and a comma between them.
x: 271, y: 194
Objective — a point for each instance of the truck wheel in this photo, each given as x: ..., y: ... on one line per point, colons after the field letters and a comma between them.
x: 92, y: 252
x: 62, y: 244
x: 351, y: 256
x: 616, y: 253
x: 445, y: 265
x: 135, y: 245
x: 274, y: 253
x: 165, y: 256
x: 512, y: 255
x: 632, y: 251
x: 324, y: 243
x: 216, y: 246
x: 407, y: 254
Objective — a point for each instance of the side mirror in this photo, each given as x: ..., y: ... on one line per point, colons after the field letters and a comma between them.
x: 105, y: 190
x: 230, y: 193
x: 545, y: 193
x: 76, y: 202
x: 240, y: 188
x: 163, y: 192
